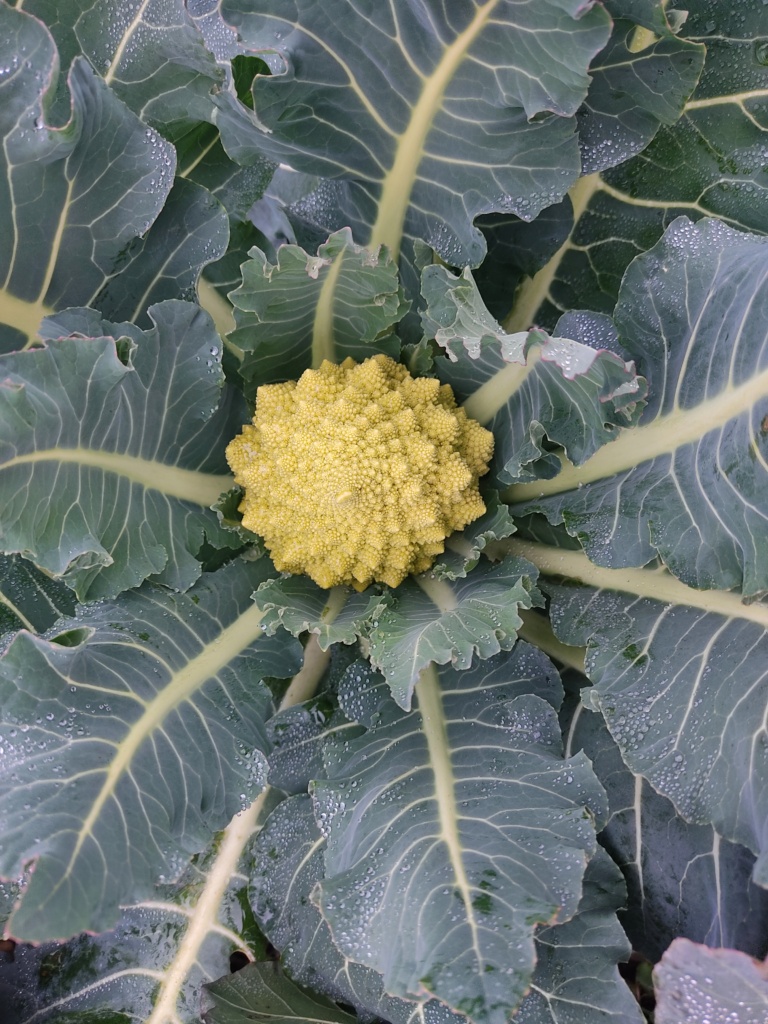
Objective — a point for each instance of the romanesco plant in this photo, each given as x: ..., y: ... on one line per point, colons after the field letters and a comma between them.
x: 357, y: 473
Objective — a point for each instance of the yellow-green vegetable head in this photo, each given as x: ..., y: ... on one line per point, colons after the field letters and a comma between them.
x: 357, y: 473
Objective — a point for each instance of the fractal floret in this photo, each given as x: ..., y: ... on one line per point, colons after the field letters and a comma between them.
x: 357, y: 473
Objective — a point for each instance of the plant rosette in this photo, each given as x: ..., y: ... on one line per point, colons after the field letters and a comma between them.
x: 383, y: 560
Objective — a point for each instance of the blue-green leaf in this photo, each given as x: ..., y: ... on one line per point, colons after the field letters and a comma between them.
x: 463, y: 549
x: 633, y: 92
x: 190, y: 232
x: 576, y: 978
x: 721, y: 986
x: 444, y: 621
x: 710, y: 162
x: 426, y: 115
x: 690, y: 482
x: 335, y: 616
x: 260, y: 993
x: 682, y: 879
x: 118, y: 442
x: 154, y: 962
x: 71, y: 206
x: 149, y: 52
x: 465, y: 808
x: 288, y: 861
x: 28, y: 598
x: 527, y: 386
x: 679, y: 676
x: 131, y: 733
x: 342, y: 302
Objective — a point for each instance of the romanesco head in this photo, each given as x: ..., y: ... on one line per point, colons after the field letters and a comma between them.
x: 357, y: 473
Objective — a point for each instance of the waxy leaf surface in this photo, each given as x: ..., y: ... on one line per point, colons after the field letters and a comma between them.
x: 136, y: 731
x: 201, y: 159
x: 710, y: 162
x: 518, y: 249
x: 691, y: 481
x: 526, y: 386
x: 436, y: 621
x: 680, y: 678
x: 190, y: 232
x: 151, y: 967
x: 149, y: 52
x: 74, y: 199
x: 465, y: 808
x: 722, y: 986
x: 260, y: 993
x: 342, y: 302
x: 119, y: 446
x: 463, y: 549
x: 432, y: 114
x: 29, y: 599
x: 296, y: 737
x: 682, y: 879
x: 587, y: 946
x: 576, y: 980
x: 297, y: 604
x: 632, y: 93
x: 282, y: 887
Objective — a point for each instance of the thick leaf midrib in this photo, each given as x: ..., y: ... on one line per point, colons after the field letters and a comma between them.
x: 173, y: 481
x: 653, y: 584
x: 220, y: 311
x: 237, y: 834
x: 537, y: 631
x: 114, y: 64
x: 440, y: 593
x: 739, y: 98
x: 56, y: 243
x: 218, y: 879
x: 22, y: 314
x: 496, y: 392
x: 181, y: 685
x: 663, y: 436
x: 323, y: 326
x: 430, y: 706
x: 398, y: 184
x: 16, y: 612
x: 534, y: 291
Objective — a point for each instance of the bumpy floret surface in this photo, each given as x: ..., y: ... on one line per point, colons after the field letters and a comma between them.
x: 357, y: 473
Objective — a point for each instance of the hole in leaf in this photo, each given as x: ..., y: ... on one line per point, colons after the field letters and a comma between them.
x: 238, y: 960
x: 125, y: 347
x: 244, y: 70
x: 72, y: 637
